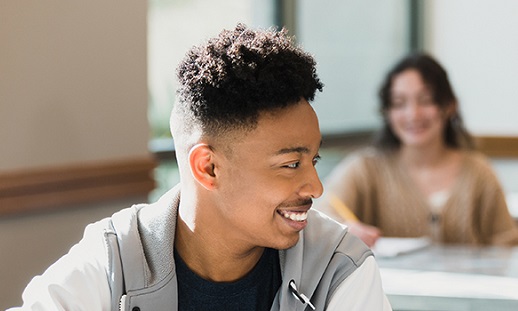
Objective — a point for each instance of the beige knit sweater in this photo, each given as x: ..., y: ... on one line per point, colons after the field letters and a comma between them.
x: 380, y: 193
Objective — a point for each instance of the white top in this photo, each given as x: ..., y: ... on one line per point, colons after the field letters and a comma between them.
x: 437, y: 200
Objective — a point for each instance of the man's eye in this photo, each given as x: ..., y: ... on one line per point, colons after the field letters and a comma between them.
x: 316, y: 160
x: 293, y: 165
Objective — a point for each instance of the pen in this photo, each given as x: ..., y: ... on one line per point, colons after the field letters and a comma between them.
x: 300, y: 296
x: 342, y: 209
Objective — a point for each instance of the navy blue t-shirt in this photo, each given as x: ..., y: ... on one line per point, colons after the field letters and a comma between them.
x: 255, y: 291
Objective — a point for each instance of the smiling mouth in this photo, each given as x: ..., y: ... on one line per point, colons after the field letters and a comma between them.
x: 416, y: 127
x: 295, y: 216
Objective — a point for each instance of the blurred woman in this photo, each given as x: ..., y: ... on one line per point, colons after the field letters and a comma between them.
x: 423, y: 176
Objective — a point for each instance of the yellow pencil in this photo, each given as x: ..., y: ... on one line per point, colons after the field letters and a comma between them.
x: 342, y: 209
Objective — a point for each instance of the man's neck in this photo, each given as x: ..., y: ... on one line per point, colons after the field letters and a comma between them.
x: 213, y: 257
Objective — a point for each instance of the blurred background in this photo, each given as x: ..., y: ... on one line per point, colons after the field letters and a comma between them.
x: 86, y: 89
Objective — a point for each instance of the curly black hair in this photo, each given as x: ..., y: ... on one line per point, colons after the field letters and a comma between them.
x: 227, y: 82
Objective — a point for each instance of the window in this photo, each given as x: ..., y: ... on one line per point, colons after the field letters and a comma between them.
x: 355, y: 42
x: 176, y: 25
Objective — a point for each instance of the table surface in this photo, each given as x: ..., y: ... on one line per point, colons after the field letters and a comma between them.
x: 452, y: 278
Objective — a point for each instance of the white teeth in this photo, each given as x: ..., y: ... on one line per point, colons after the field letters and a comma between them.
x: 295, y: 216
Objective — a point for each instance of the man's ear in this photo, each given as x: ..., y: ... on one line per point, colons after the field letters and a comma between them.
x: 201, y: 161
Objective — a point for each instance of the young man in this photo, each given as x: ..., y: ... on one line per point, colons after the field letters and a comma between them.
x: 237, y: 233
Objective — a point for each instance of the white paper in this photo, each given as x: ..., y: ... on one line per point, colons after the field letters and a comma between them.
x: 390, y: 247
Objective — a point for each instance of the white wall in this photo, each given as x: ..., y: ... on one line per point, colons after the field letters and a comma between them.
x: 477, y: 41
x: 73, y: 89
x: 73, y: 82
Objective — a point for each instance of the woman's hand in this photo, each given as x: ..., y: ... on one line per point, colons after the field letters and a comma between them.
x: 367, y: 233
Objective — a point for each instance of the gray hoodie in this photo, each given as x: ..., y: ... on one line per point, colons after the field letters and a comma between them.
x: 140, y: 243
x: 126, y: 262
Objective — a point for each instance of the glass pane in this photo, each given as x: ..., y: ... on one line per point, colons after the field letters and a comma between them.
x: 354, y: 42
x: 177, y: 25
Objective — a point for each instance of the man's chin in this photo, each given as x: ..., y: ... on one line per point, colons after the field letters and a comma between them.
x: 287, y: 244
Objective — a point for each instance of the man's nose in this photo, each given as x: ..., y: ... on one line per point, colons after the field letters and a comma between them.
x: 313, y: 186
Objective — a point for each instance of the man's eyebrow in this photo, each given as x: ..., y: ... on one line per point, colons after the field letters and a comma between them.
x: 295, y: 150
x: 292, y: 150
